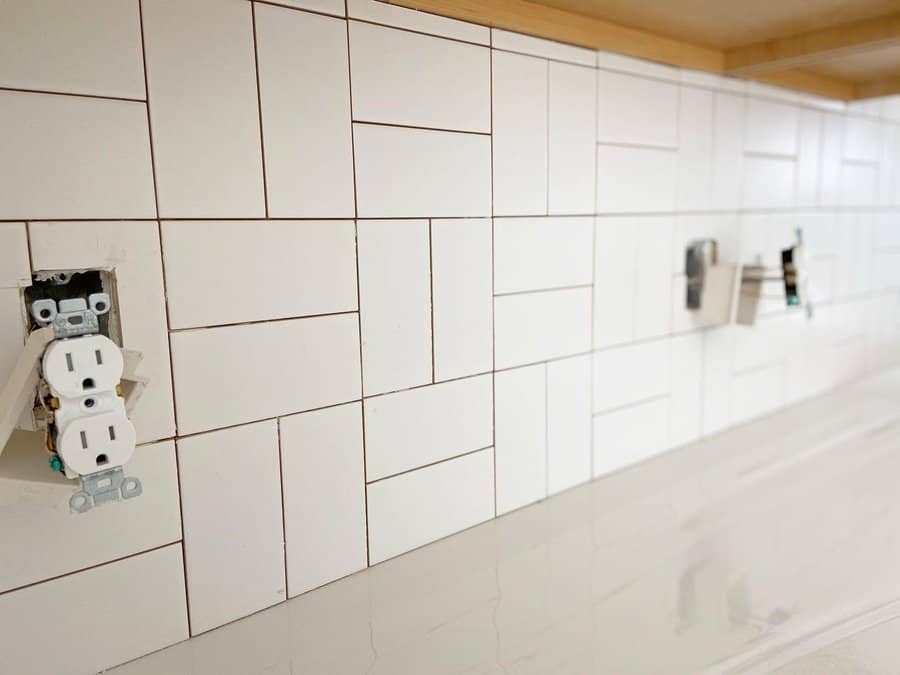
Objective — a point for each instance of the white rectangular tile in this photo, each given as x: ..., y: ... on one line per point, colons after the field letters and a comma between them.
x: 728, y: 151
x: 768, y: 182
x: 636, y: 110
x: 568, y: 423
x: 15, y: 268
x: 70, y: 157
x: 635, y: 180
x: 695, y: 150
x: 520, y: 133
x: 462, y: 302
x: 630, y: 64
x: 443, y: 174
x: 33, y: 502
x: 548, y: 49
x: 233, y: 547
x: 756, y: 393
x: 235, y: 374
x: 323, y: 480
x: 626, y: 375
x: 91, y: 47
x: 262, y: 270
x: 541, y: 253
x: 377, y: 11
x: 132, y: 251
x: 630, y: 435
x: 204, y: 170
x: 542, y: 325
x: 571, y: 122
x: 862, y: 139
x: 412, y: 428
x: 615, y: 280
x: 832, y: 139
x: 859, y: 184
x: 718, y: 357
x: 395, y: 304
x: 151, y: 586
x: 686, y: 399
x: 886, y: 230
x: 406, y: 78
x: 808, y: 157
x: 419, y: 507
x: 521, y: 418
x: 308, y: 148
x: 771, y: 127
x: 334, y: 7
x: 653, y: 278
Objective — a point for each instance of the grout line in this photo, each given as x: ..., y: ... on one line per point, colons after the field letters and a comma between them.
x: 429, y: 465
x: 420, y: 128
x: 424, y: 385
x: 100, y: 97
x: 546, y: 430
x: 304, y: 10
x: 91, y: 567
x: 372, y: 22
x: 431, y: 294
x: 493, y: 281
x: 638, y: 146
x: 547, y: 143
x: 168, y: 320
x: 631, y: 404
x: 259, y: 321
x: 594, y: 226
x: 283, y: 512
x: 262, y: 140
x: 536, y: 291
x: 551, y: 359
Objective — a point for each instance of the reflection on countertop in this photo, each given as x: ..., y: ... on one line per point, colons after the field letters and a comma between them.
x: 741, y: 553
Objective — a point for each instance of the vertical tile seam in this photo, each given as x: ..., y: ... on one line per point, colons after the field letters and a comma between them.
x: 596, y: 158
x: 493, y: 298
x: 162, y: 264
x: 362, y: 386
x: 546, y: 429
x: 262, y: 143
x: 547, y: 145
x: 431, y: 294
x: 283, y: 509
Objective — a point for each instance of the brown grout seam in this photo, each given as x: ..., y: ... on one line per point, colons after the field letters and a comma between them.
x: 262, y: 141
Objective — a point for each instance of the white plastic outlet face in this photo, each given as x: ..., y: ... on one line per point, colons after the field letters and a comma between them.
x: 93, y: 432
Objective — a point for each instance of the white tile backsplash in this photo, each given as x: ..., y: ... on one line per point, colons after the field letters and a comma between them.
x: 204, y: 170
x: 419, y: 507
x: 521, y: 410
x: 91, y: 47
x: 421, y: 426
x: 297, y: 268
x: 232, y: 540
x: 486, y: 250
x: 519, y: 97
x: 323, y: 479
x: 308, y: 149
x: 404, y: 172
x: 104, y: 172
x: 405, y: 78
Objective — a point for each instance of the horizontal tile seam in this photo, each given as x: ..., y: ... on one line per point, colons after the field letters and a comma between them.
x: 547, y: 289
x: 425, y: 385
x: 305, y: 10
x: 415, y: 127
x: 631, y: 404
x: 760, y: 154
x: 639, y: 146
x: 551, y: 59
x: 255, y: 322
x: 550, y: 359
x: 47, y: 92
x: 440, y: 36
x: 429, y: 465
x: 87, y: 568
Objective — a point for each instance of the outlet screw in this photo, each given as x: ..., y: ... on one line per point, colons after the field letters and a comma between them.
x: 55, y: 463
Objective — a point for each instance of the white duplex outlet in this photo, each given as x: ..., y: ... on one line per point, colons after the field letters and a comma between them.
x: 93, y: 431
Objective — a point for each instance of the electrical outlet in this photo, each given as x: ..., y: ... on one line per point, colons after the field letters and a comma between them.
x: 96, y: 442
x: 82, y: 366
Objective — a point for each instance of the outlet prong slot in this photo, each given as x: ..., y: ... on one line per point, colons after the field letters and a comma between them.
x: 112, y: 433
x: 99, y: 356
x: 69, y: 364
x: 84, y: 442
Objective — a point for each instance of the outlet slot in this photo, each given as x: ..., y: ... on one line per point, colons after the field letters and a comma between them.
x: 87, y: 383
x: 102, y: 459
x: 89, y: 403
x: 99, y: 356
x: 84, y: 440
x: 69, y: 364
x: 112, y: 433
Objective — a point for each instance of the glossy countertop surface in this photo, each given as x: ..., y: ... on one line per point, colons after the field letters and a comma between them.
x: 745, y: 553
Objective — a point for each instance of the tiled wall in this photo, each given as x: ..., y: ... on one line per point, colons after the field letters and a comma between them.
x: 392, y: 275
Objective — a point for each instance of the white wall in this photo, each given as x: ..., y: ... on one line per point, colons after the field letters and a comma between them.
x: 392, y: 276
